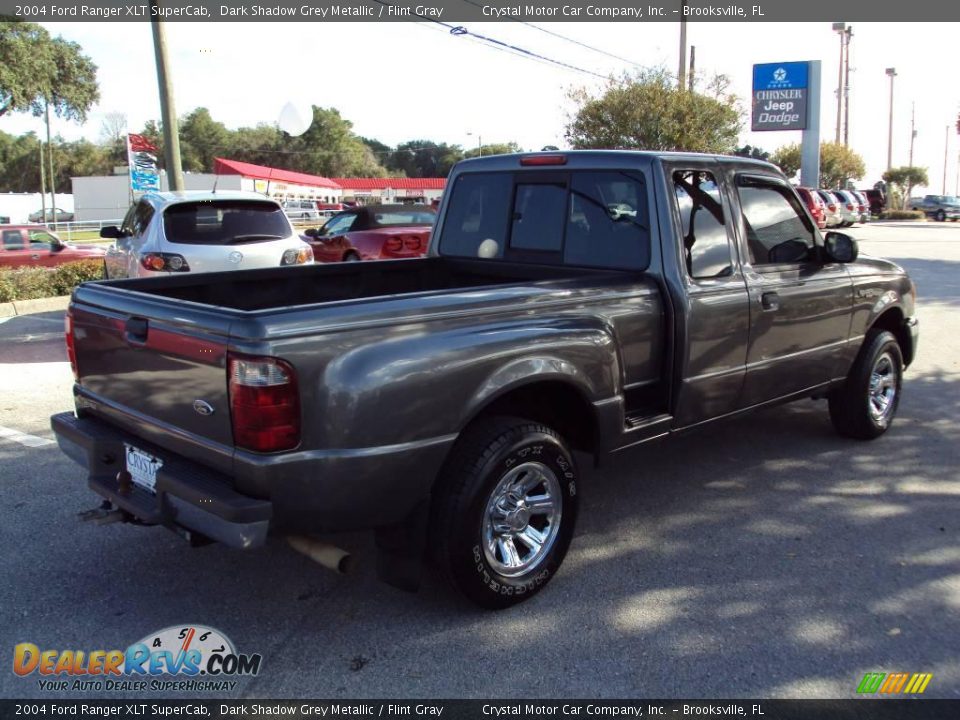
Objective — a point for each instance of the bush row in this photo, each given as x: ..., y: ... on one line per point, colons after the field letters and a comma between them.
x: 31, y: 283
x: 902, y: 215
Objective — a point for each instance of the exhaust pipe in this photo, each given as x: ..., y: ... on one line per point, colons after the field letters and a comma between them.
x: 330, y: 556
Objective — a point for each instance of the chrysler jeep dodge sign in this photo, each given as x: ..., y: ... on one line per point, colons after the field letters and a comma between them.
x: 780, y: 96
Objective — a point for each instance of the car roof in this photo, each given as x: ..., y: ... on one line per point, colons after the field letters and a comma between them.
x: 161, y: 200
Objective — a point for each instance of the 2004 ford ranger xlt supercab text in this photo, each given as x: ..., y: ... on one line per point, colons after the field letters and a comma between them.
x: 582, y: 301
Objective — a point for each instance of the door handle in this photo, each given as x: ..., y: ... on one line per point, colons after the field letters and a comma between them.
x: 770, y: 301
x: 35, y: 257
x: 136, y: 331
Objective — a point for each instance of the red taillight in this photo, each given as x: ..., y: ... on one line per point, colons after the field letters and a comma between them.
x: 833, y: 208
x: 71, y: 349
x: 393, y: 244
x: 412, y: 243
x: 160, y: 262
x: 849, y: 206
x: 543, y: 160
x: 264, y: 403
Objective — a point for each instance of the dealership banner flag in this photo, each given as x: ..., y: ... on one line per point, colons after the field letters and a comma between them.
x: 142, y: 159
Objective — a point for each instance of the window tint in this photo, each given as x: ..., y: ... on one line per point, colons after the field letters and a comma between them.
x: 224, y: 222
x: 775, y: 225
x: 477, y: 212
x: 12, y: 240
x: 608, y: 224
x: 705, y: 242
x: 538, y: 218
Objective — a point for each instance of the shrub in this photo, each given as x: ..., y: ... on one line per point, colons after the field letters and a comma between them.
x: 32, y: 283
x: 902, y: 215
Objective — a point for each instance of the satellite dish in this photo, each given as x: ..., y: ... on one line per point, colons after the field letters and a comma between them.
x: 295, y: 119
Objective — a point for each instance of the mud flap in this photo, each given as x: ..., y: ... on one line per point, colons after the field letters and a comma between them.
x: 401, y: 548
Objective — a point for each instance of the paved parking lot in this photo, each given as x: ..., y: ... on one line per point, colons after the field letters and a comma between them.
x: 765, y: 557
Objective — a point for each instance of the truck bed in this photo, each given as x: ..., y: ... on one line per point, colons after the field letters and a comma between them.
x: 259, y: 290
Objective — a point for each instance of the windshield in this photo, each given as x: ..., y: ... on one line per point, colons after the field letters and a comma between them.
x: 224, y: 222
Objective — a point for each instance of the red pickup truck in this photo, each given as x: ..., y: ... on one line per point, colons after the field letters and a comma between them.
x: 32, y: 245
x: 373, y: 232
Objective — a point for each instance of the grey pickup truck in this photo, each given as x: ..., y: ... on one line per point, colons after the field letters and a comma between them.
x: 571, y: 303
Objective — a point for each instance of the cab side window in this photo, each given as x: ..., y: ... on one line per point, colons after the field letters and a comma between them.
x: 12, y: 240
x: 706, y: 245
x: 40, y: 240
x: 777, y: 229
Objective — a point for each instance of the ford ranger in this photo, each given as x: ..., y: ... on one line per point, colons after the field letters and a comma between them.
x: 571, y: 303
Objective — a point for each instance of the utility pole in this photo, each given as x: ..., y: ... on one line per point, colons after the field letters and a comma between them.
x: 168, y: 112
x: 891, y: 73
x: 43, y: 185
x: 840, y: 29
x: 682, y: 72
x: 913, y: 128
x: 846, y: 90
x: 946, y: 146
x: 693, y: 62
x: 53, y: 181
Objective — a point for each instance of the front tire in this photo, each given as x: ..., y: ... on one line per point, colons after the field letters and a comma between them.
x: 504, y: 511
x: 941, y: 216
x: 864, y: 407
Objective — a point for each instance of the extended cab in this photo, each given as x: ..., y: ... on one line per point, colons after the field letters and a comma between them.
x: 582, y: 301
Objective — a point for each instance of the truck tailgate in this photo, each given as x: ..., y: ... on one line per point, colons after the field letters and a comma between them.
x: 145, y: 360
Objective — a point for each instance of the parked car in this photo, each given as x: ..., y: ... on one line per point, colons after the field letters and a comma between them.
x: 863, y: 207
x: 832, y: 208
x: 373, y: 232
x: 938, y: 207
x: 301, y: 209
x: 179, y: 232
x: 815, y: 205
x: 23, y: 245
x: 41, y: 216
x: 877, y: 200
x: 847, y: 207
x: 439, y: 401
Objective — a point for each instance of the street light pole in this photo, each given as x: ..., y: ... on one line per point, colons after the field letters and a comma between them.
x: 839, y: 28
x: 913, y: 129
x: 682, y: 72
x: 891, y: 73
x: 946, y: 147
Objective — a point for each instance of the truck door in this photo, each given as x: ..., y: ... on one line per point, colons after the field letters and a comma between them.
x: 800, y: 306
x: 714, y: 350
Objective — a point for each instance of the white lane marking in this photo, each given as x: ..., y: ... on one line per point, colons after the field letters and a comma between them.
x: 23, y: 438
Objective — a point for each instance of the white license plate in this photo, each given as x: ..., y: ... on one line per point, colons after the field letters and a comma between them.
x: 143, y: 468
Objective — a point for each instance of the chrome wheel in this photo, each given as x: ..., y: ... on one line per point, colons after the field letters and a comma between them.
x: 882, y: 395
x: 522, y: 519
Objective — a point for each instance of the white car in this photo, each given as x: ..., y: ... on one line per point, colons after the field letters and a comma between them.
x: 301, y: 209
x: 174, y: 232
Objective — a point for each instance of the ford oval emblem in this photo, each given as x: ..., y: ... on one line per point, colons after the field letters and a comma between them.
x: 203, y: 407
x: 235, y: 257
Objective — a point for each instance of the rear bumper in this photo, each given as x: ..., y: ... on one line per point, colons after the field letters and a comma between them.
x: 188, y: 496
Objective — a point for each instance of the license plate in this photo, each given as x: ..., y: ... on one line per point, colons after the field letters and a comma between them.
x: 143, y: 468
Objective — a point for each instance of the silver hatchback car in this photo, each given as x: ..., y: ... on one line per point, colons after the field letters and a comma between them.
x: 174, y: 232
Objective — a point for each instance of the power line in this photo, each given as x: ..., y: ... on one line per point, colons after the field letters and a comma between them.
x: 458, y: 30
x: 568, y: 39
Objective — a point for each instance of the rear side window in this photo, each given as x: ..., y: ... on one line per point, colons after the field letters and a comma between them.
x: 595, y: 219
x: 706, y: 246
x: 12, y: 240
x: 224, y: 222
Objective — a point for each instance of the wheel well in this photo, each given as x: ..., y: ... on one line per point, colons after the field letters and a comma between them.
x: 554, y: 403
x: 892, y: 320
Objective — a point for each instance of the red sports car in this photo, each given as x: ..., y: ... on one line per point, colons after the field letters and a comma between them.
x: 373, y: 232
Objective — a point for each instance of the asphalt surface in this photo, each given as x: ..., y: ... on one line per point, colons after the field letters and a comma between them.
x: 765, y: 557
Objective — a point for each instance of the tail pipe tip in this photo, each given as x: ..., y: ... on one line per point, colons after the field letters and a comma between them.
x: 330, y: 556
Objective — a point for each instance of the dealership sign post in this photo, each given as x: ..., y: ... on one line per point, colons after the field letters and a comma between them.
x: 786, y: 96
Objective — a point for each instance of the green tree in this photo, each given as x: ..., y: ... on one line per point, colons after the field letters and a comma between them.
x: 331, y: 149
x: 113, y: 137
x: 787, y: 158
x: 749, y: 151
x: 904, y: 179
x: 37, y: 71
x: 494, y: 149
x: 647, y: 111
x: 201, y: 140
x: 838, y: 163
x: 19, y: 163
x: 424, y: 158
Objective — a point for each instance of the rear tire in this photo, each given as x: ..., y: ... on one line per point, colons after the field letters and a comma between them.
x: 504, y: 510
x: 865, y: 406
x: 351, y: 257
x: 940, y: 216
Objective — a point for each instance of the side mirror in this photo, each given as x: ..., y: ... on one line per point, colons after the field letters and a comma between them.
x: 840, y: 247
x: 57, y: 245
x: 111, y: 232
x: 311, y: 232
